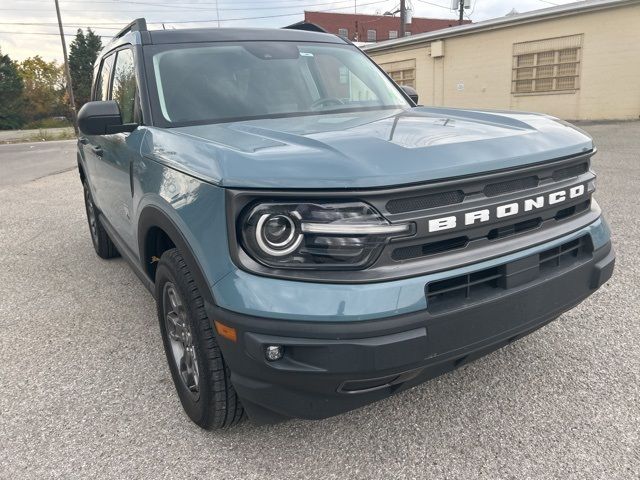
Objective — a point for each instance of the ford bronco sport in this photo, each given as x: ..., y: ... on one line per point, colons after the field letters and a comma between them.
x: 314, y: 240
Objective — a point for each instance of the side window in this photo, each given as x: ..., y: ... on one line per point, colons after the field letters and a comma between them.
x: 102, y: 84
x: 124, y: 85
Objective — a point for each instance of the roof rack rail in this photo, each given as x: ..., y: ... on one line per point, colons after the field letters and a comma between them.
x: 138, y: 25
x: 306, y: 26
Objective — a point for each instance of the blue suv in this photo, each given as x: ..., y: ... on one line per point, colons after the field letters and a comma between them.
x: 314, y: 240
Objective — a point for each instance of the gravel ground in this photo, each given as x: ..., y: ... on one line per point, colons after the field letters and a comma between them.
x: 85, y: 391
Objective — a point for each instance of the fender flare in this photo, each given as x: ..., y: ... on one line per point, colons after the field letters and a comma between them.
x: 152, y: 216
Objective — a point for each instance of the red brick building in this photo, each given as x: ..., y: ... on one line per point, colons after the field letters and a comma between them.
x: 374, y: 28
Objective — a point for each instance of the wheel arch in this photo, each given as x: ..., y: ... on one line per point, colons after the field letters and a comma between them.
x: 157, y: 232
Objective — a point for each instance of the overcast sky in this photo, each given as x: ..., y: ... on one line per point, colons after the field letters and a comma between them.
x: 28, y: 27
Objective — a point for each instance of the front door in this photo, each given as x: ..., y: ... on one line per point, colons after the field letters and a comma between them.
x: 118, y: 151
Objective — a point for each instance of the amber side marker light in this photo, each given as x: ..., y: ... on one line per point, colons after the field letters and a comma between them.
x: 227, y: 332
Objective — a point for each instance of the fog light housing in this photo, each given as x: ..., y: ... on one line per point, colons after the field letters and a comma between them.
x: 273, y: 352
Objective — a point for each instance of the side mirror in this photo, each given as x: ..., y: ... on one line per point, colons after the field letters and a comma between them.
x: 411, y: 93
x: 102, y: 118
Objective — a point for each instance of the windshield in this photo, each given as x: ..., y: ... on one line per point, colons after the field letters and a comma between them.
x: 206, y: 83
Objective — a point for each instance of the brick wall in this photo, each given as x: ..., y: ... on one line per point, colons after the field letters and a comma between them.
x: 382, y: 25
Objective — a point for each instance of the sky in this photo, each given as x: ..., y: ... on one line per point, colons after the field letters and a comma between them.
x: 29, y: 27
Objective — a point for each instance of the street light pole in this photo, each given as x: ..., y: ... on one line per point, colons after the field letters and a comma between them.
x: 403, y: 16
x: 66, y: 70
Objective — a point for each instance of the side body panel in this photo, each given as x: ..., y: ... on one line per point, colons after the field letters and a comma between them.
x: 192, y: 207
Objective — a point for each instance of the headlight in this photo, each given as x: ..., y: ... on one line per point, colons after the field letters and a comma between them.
x: 316, y: 235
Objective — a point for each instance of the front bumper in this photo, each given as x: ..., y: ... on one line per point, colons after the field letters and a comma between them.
x: 332, y: 367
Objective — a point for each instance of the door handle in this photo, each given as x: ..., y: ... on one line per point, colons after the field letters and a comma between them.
x: 83, y: 140
x: 98, y: 150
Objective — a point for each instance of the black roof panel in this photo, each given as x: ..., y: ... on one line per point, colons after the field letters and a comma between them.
x: 195, y: 35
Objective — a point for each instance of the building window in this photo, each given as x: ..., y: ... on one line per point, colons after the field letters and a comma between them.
x: 407, y: 34
x: 371, y: 35
x: 393, y: 34
x: 343, y: 32
x: 551, y: 65
x: 403, y: 73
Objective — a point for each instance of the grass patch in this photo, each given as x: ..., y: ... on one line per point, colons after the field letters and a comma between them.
x: 47, y: 135
x: 47, y: 123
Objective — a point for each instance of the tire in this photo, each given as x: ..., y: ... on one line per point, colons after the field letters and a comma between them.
x: 102, y: 244
x: 201, y: 377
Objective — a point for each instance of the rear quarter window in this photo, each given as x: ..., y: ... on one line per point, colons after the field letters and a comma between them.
x: 102, y: 84
x: 124, y: 85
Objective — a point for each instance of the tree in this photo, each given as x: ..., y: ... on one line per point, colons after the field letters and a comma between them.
x: 83, y: 52
x: 11, y: 89
x: 43, y: 88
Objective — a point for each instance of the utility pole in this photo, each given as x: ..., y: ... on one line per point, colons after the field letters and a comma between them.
x: 403, y: 16
x: 461, y: 19
x: 66, y: 71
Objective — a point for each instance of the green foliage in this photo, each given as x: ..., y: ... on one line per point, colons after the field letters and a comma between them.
x: 43, y: 88
x: 83, y: 53
x: 11, y: 90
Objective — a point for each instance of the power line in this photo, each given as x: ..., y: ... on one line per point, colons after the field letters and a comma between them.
x: 213, y: 20
x: 236, y: 19
x: 287, y: 4
x: 434, y: 4
x: 205, y: 8
x: 79, y: 25
x: 44, y: 33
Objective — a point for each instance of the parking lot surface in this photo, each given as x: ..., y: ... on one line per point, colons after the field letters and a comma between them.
x: 85, y: 391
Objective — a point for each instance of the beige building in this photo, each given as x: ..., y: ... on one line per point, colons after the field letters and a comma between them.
x: 579, y: 61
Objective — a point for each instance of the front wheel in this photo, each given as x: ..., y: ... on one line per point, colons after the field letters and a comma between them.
x: 200, y: 375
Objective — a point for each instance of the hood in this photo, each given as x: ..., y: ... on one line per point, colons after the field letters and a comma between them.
x: 364, y: 149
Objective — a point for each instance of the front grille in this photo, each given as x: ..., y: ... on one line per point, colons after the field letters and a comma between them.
x: 414, y: 251
x: 569, y: 172
x: 513, y: 229
x: 509, y: 186
x: 423, y: 202
x: 574, y: 210
x: 493, y: 189
x: 477, y: 286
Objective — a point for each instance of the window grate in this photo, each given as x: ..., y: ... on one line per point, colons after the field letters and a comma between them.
x: 546, y: 65
x: 402, y: 72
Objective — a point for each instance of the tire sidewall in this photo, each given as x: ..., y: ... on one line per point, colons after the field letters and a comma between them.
x: 88, y: 197
x: 195, y: 407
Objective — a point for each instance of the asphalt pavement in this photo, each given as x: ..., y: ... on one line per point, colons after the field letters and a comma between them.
x: 85, y: 391
x: 24, y: 162
x: 13, y: 136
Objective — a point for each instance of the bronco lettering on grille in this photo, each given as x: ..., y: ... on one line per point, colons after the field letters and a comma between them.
x: 521, y: 206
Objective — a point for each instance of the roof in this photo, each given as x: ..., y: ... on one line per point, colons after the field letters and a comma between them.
x: 193, y: 35
x: 502, y: 22
x: 196, y: 35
